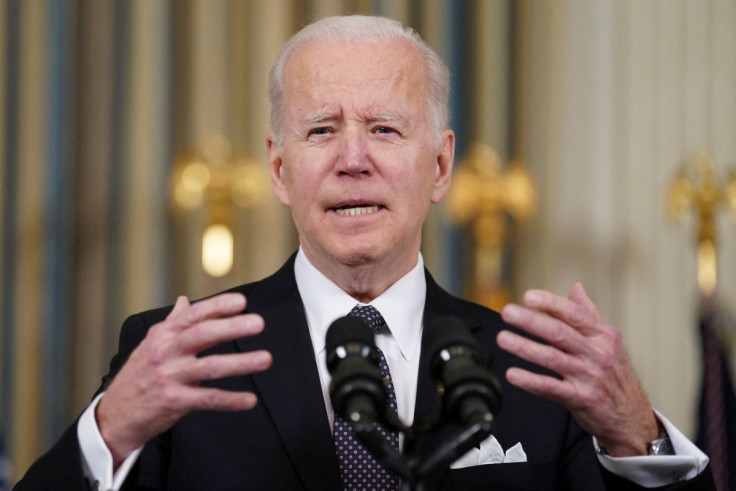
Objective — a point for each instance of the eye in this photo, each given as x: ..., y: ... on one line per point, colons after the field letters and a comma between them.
x: 384, y: 130
x: 320, y: 131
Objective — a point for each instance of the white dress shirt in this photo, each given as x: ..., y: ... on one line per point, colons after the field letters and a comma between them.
x: 402, y: 307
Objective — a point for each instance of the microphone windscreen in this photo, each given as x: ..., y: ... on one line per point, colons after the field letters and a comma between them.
x: 447, y: 331
x: 348, y: 329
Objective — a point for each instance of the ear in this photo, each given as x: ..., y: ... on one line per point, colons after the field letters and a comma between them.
x: 445, y: 160
x: 275, y: 168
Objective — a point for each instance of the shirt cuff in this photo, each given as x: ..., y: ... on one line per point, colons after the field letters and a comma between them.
x: 652, y: 471
x: 96, y: 457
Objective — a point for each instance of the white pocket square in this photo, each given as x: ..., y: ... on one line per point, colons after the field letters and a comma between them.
x: 490, y: 452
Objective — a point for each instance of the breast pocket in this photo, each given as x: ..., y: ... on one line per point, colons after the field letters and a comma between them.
x: 517, y: 476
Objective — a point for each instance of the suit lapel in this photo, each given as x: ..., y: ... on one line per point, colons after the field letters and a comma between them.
x: 439, y: 303
x: 303, y: 427
x: 291, y: 389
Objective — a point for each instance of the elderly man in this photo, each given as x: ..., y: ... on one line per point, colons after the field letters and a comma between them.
x: 232, y: 392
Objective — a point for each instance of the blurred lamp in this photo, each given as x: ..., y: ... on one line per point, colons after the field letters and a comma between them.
x: 218, y: 184
x: 697, y: 187
x: 217, y: 250
x: 486, y: 194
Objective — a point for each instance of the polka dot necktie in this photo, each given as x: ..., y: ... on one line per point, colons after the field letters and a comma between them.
x: 358, y: 468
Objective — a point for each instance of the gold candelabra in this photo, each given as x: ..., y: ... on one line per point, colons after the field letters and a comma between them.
x: 486, y: 194
x: 697, y: 187
x: 217, y: 183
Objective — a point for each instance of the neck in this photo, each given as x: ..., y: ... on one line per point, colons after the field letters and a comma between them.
x: 362, y: 278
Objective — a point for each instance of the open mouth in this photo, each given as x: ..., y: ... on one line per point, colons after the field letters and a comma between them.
x: 355, y: 210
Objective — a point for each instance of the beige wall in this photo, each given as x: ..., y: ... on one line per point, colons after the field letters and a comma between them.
x: 618, y: 93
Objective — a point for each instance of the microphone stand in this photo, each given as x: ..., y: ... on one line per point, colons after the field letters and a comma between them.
x: 459, y: 442
x: 385, y: 453
x: 412, y: 468
x: 470, y: 397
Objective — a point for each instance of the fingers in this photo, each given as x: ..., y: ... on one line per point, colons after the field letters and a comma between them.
x: 541, y: 385
x: 185, y: 314
x: 209, y: 333
x: 567, y: 310
x: 540, y: 354
x: 219, y: 400
x: 574, y: 395
x: 564, y: 322
x: 160, y: 382
x: 595, y: 378
x: 180, y: 400
x: 191, y: 328
x: 580, y: 296
x: 571, y: 326
x: 180, y: 306
x: 214, y: 367
x: 552, y: 330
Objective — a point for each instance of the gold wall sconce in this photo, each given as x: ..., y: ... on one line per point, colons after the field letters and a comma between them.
x: 218, y: 184
x: 486, y: 195
x: 697, y: 187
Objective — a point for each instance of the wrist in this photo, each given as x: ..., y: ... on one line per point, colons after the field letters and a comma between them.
x: 632, y: 440
x: 661, y: 445
x: 118, y: 447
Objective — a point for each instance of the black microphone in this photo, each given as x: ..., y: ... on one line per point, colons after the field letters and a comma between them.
x: 356, y: 389
x: 471, y: 392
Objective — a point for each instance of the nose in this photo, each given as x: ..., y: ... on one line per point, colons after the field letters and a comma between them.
x: 353, y: 156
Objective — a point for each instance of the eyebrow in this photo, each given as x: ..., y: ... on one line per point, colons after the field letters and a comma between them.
x: 320, y: 118
x: 385, y: 118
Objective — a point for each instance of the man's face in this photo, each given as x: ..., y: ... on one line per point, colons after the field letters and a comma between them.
x: 358, y: 163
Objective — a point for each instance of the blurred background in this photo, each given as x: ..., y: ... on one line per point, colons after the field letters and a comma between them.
x: 133, y: 170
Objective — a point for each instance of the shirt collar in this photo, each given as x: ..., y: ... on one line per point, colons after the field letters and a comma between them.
x: 402, y: 304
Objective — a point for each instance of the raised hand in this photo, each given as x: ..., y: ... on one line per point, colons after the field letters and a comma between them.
x: 159, y: 383
x: 598, y: 384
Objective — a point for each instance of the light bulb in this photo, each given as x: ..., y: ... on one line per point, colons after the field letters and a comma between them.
x: 217, y: 250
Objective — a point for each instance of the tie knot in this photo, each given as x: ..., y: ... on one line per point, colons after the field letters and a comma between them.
x: 370, y: 315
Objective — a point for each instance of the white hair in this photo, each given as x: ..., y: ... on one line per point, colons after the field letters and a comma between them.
x: 363, y: 28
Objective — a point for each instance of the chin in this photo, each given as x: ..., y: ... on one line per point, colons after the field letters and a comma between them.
x: 357, y: 256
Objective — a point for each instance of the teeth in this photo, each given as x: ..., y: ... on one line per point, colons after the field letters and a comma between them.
x: 358, y: 210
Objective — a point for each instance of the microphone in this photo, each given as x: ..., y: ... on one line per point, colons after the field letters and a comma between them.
x: 471, y: 392
x: 356, y: 389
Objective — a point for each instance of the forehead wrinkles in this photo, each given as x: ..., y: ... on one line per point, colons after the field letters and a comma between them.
x: 330, y: 75
x: 369, y: 94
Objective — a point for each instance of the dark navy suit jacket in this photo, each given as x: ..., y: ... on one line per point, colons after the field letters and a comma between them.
x: 285, y: 442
